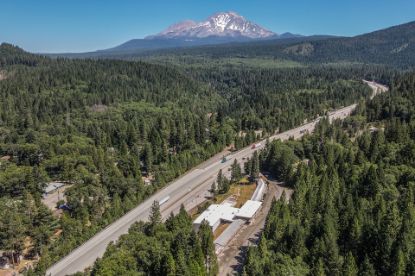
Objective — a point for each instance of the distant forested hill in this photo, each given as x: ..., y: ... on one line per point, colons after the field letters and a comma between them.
x: 394, y: 46
x: 10, y: 55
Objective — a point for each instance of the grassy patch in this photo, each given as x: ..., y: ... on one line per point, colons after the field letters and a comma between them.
x: 240, y: 192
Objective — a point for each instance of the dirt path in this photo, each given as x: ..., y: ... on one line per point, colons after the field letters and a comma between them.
x: 232, y: 257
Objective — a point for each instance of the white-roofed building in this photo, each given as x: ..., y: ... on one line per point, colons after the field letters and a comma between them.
x: 52, y: 186
x: 259, y: 191
x: 249, y: 209
x: 229, y: 232
x: 216, y: 214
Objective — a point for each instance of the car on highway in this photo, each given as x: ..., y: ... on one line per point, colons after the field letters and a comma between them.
x: 254, y: 146
x: 164, y: 200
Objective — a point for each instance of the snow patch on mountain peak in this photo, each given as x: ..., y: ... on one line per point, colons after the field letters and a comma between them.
x: 222, y: 24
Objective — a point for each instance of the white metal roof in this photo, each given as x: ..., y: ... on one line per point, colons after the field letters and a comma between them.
x: 249, y: 209
x: 259, y: 191
x: 217, y: 212
x: 53, y: 186
x: 229, y: 232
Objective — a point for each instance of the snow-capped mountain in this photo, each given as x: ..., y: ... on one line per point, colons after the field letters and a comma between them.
x: 222, y: 27
x: 223, y: 24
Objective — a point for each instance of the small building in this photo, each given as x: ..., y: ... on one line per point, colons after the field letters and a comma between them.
x: 4, y: 262
x: 216, y: 214
x: 51, y: 187
x: 5, y: 158
x: 373, y: 129
x: 148, y: 179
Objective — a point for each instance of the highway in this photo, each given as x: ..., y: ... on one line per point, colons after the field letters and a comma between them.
x: 183, y: 190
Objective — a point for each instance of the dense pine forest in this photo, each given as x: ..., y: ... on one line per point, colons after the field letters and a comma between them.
x: 101, y: 125
x: 353, y: 209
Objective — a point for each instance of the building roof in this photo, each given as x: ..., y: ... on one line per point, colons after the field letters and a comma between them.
x: 249, y: 209
x: 215, y: 213
x: 259, y: 191
x: 53, y: 186
x: 229, y: 232
x: 5, y: 158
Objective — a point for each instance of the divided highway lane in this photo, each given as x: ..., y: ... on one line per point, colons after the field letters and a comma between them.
x: 180, y: 190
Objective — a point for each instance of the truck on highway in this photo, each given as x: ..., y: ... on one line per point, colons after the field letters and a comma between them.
x: 164, y: 200
x: 257, y: 145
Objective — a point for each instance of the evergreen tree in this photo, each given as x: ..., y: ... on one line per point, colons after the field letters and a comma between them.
x: 155, y: 216
x: 367, y: 268
x: 236, y: 173
x: 247, y: 166
x: 206, y: 242
x: 319, y: 268
x: 349, y: 266
x: 148, y: 157
x: 255, y: 166
x: 220, y: 181
x: 213, y: 188
x: 170, y: 265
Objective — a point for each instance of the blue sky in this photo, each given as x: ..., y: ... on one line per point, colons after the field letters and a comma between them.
x: 85, y: 25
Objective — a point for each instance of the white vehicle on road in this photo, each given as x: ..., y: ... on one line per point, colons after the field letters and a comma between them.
x: 164, y: 200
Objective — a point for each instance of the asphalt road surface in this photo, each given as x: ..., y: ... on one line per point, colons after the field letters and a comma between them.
x: 189, y: 186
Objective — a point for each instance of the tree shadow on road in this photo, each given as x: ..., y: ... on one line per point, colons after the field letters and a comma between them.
x: 237, y: 268
x: 243, y: 251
